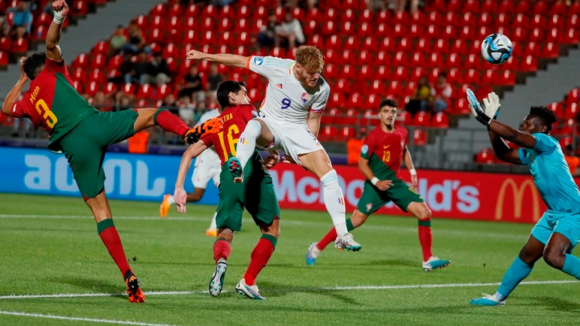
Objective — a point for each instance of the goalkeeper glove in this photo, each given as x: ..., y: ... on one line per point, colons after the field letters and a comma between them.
x: 476, y: 109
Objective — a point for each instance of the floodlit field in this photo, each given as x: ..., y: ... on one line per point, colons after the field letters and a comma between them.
x: 54, y: 270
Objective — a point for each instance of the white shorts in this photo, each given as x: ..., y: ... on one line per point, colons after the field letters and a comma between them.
x: 207, y: 167
x: 294, y: 139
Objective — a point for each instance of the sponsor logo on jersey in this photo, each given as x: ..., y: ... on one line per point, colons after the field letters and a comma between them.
x: 387, y: 146
x: 279, y: 86
x: 258, y: 60
x: 304, y: 97
x: 364, y: 149
x: 341, y: 201
x: 243, y: 141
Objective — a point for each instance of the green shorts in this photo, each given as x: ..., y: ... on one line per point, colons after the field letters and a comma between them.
x: 400, y: 193
x: 85, y: 146
x: 256, y: 194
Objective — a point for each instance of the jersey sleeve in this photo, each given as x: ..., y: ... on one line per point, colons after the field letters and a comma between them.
x: 544, y: 143
x: 367, y: 148
x: 523, y: 156
x: 55, y: 67
x: 267, y: 66
x: 206, y: 139
x: 248, y: 112
x: 21, y: 108
x: 320, y: 103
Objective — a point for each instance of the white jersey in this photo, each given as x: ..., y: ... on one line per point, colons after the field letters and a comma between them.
x: 286, y: 100
x: 208, y: 115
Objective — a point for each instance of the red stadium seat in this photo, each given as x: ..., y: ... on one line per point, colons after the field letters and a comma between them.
x: 328, y: 133
x: 416, y: 31
x: 550, y: 50
x: 378, y: 87
x: 365, y: 57
x: 79, y: 74
x: 365, y: 73
x: 434, y: 19
x: 330, y: 70
x: 395, y: 89
x: 409, y: 90
x: 20, y: 46
x: 438, y: 5
x: 420, y: 137
x: 538, y: 21
x: 573, y: 96
x: 43, y: 19
x: 432, y: 32
x: 346, y: 57
x: 337, y: 99
x: 571, y: 111
x: 573, y: 22
x: 334, y: 42
x: 529, y: 64
x: 5, y: 44
x: 400, y: 74
x: 454, y: 5
x: 449, y: 32
x: 520, y: 20
x: 400, y: 59
x: 472, y: 76
x: 485, y: 156
x: 79, y: 8
x: 440, y: 120
x: 441, y: 47
x: 417, y: 18
x: 243, y: 12
x: 314, y: 15
x: 128, y: 89
x: 423, y: 46
x: 557, y: 108
x: 400, y: 18
x: 365, y: 29
x: 473, y: 61
x: 417, y: 60
x: 329, y: 28
x: 352, y: 43
x: 571, y: 36
x: 311, y: 27
x: 383, y: 73
x: 145, y: 91
x: 461, y: 107
x: 348, y: 71
x: 96, y: 75
x: 355, y: 101
x: 367, y: 16
x: 98, y: 62
x: 347, y: 132
x: 158, y: 10
x: 370, y: 44
x: 405, y: 45
x: 505, y: 78
x: 417, y: 73
x: 387, y: 44
x: 92, y: 88
x: 454, y: 76
x: 110, y: 89
x: 115, y: 62
x: 566, y: 141
x: 317, y: 41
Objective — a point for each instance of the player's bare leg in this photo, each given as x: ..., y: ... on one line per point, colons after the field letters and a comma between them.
x: 318, y: 163
x: 99, y: 205
x: 221, y: 251
x: 260, y: 256
x: 256, y: 133
x: 522, y: 266
x: 423, y: 214
x: 357, y: 219
x: 558, y: 254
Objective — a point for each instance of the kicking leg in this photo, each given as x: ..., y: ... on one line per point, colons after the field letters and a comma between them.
x: 518, y: 271
x: 357, y: 219
x: 423, y: 214
x: 256, y: 132
x: 318, y: 163
x: 99, y: 205
x: 558, y: 254
x: 168, y: 121
x: 221, y: 251
x: 260, y: 257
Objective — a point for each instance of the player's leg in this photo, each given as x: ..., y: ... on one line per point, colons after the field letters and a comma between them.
x: 423, y: 214
x: 262, y: 204
x: 558, y: 251
x: 318, y: 163
x: 168, y: 121
x: 221, y: 251
x: 99, y: 205
x: 85, y: 156
x: 521, y: 266
x: 256, y: 133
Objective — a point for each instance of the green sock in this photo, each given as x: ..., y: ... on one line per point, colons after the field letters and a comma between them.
x: 105, y: 224
x: 270, y: 238
x: 349, y: 225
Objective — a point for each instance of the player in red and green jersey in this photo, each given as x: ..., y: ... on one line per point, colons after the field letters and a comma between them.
x: 82, y: 133
x: 256, y: 194
x: 383, y: 151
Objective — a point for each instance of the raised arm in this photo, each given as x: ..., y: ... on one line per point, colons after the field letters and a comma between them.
x: 13, y: 95
x: 54, y: 31
x: 192, y: 152
x: 510, y: 134
x: 231, y: 60
x: 502, y: 150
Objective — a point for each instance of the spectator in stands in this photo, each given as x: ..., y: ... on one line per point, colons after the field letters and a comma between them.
x: 4, y: 29
x: 136, y: 42
x: 139, y: 69
x: 289, y: 32
x: 123, y: 102
x: 157, y: 71
x: 572, y: 160
x: 170, y: 104
x: 267, y: 35
x: 441, y: 93
x: 187, y: 110
x: 118, y: 41
x: 22, y: 21
x: 213, y: 80
x: 192, y: 86
x: 421, y: 99
x: 401, y: 4
x: 101, y: 102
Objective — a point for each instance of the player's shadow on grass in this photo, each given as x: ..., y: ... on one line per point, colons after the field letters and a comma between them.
x: 278, y: 290
x: 554, y: 303
x: 391, y: 262
x: 94, y: 285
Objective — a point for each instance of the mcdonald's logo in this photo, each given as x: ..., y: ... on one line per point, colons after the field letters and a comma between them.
x: 518, y: 192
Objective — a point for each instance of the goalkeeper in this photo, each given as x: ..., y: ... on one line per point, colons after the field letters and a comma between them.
x: 558, y: 231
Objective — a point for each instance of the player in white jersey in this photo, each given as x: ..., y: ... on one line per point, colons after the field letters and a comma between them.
x: 290, y: 119
x: 207, y: 167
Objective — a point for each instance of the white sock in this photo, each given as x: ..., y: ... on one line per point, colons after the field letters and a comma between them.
x: 247, y: 143
x: 213, y: 226
x: 171, y: 201
x: 334, y: 201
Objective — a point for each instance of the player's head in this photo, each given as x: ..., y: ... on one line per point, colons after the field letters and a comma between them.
x: 231, y: 93
x: 34, y: 64
x: 540, y: 119
x: 309, y: 63
x: 388, y: 112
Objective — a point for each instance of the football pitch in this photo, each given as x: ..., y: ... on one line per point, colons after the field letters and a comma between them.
x: 54, y: 270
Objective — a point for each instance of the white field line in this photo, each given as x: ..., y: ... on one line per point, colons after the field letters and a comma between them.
x: 93, y: 320
x: 284, y: 221
x: 334, y: 288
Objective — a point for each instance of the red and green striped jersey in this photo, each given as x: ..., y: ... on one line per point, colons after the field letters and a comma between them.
x: 234, y: 121
x: 53, y: 103
x: 385, y: 151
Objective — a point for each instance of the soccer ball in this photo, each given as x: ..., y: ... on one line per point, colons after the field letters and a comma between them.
x: 496, y: 48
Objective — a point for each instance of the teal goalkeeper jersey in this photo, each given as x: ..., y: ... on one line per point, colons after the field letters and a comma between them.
x: 551, y: 175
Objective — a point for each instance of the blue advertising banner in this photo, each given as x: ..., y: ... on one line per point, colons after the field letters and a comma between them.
x: 129, y: 176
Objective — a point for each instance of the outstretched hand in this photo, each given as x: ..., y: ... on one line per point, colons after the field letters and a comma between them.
x: 194, y: 55
x: 271, y: 160
x: 60, y: 6
x: 180, y: 197
x: 22, y: 73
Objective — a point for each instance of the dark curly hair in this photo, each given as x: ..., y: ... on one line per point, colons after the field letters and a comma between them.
x: 224, y: 90
x: 34, y: 64
x: 545, y: 114
x: 388, y: 102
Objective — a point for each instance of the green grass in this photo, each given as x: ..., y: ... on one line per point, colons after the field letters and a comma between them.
x: 63, y: 254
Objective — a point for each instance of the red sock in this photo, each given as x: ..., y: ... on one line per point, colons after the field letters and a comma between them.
x: 221, y: 249
x: 170, y: 122
x: 425, y: 238
x: 112, y: 241
x: 328, y: 238
x: 260, y: 257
